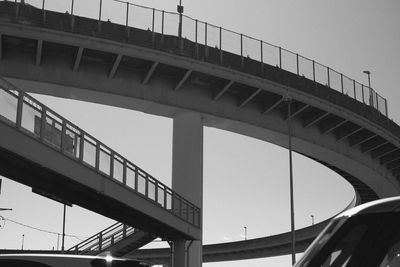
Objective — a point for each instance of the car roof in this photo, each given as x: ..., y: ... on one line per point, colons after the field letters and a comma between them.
x: 391, y: 204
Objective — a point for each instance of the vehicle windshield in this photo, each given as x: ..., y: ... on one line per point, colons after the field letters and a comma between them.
x: 367, y: 240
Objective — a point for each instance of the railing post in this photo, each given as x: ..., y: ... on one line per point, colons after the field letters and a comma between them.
x: 280, y: 57
x: 63, y: 136
x: 124, y: 171
x: 386, y: 107
x: 152, y: 27
x: 100, y: 241
x: 354, y: 87
x: 220, y: 45
x: 127, y: 19
x: 341, y: 82
x: 146, y: 190
x: 313, y: 69
x: 297, y: 64
x: 205, y: 45
x: 81, y: 146
x: 42, y: 124
x: 362, y: 93
x: 156, y: 192
x: 112, y: 164
x: 162, y: 26
x: 43, y: 13
x: 97, y: 163
x: 72, y: 15
x: 99, y: 21
x: 329, y: 80
x: 377, y: 101
x: 136, y: 178
x: 262, y: 56
x: 124, y: 231
x: 20, y: 103
x: 196, y: 41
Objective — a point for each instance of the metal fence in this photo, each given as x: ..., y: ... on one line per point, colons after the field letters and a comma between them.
x: 31, y: 117
x: 227, y: 41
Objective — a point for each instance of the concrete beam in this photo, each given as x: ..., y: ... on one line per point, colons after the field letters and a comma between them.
x: 250, y: 97
x: 362, y: 139
x: 274, y: 105
x: 78, y: 59
x: 384, y: 151
x: 115, y: 66
x: 183, y: 80
x: 150, y: 72
x: 349, y: 133
x: 297, y: 112
x: 315, y: 120
x: 221, y: 92
x: 374, y: 145
x: 333, y: 126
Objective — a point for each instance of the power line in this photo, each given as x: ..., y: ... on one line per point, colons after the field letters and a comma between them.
x: 81, y: 238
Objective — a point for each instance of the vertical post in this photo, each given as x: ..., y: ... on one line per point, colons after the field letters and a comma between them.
x: 313, y: 69
x: 362, y: 92
x: 180, y: 11
x: 100, y: 241
x: 291, y: 185
x: 72, y: 15
x: 124, y: 170
x: 377, y: 101
x: 241, y: 46
x: 162, y: 25
x: 262, y: 56
x: 341, y: 82
x: 63, y: 136
x: 152, y: 26
x: 354, y: 87
x: 99, y: 21
x: 43, y: 13
x: 97, y: 162
x: 205, y: 41
x: 72, y: 7
x: 42, y: 124
x: 386, y: 107
x: 297, y: 64
x: 20, y: 103
x: 280, y: 57
x: 196, y: 42
x: 220, y: 45
x: 127, y: 14
x: 112, y: 164
x: 63, y: 233
x: 329, y: 79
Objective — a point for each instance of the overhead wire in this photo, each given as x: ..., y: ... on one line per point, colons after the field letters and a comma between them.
x: 81, y: 238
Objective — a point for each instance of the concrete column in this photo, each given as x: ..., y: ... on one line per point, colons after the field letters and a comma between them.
x: 187, y: 173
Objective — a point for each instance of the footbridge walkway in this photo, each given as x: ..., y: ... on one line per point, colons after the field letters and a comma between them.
x: 73, y: 167
x: 139, y: 60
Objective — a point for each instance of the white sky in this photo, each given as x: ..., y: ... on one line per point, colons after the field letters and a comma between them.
x: 245, y: 180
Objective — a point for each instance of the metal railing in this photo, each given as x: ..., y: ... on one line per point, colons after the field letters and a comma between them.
x: 104, y: 239
x: 211, y: 36
x: 32, y: 118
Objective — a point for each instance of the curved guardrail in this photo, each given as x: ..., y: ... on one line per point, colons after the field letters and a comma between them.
x: 34, y: 119
x: 210, y: 36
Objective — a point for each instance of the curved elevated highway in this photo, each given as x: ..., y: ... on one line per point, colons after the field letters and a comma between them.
x: 335, y: 120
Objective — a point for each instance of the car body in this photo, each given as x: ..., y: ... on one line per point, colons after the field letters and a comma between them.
x: 63, y: 260
x: 365, y: 236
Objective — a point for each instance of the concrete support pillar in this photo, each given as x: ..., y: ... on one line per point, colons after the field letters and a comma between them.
x: 187, y: 177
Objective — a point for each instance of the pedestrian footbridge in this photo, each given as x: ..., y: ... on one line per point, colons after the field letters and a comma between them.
x: 43, y: 150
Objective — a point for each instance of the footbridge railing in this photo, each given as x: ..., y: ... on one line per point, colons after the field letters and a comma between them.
x: 104, y: 239
x: 29, y: 116
x: 206, y: 37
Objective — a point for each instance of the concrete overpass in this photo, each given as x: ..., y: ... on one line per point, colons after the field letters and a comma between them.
x: 335, y: 120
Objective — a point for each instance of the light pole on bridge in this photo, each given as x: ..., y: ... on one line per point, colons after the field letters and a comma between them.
x: 180, y: 11
x: 371, y: 100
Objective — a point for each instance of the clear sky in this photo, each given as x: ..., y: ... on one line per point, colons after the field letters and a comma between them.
x: 246, y: 181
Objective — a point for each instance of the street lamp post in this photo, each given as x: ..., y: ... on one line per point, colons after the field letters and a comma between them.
x: 312, y: 219
x: 289, y: 102
x: 245, y: 233
x: 180, y: 11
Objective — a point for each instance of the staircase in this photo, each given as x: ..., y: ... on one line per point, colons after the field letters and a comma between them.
x: 118, y: 239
